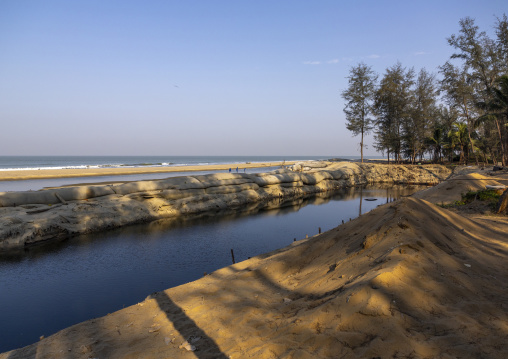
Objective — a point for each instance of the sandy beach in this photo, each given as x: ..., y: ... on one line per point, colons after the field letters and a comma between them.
x: 92, y: 172
x: 410, y: 279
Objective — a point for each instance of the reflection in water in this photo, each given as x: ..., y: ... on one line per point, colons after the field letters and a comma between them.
x: 275, y: 207
x: 361, y: 200
x: 55, y: 285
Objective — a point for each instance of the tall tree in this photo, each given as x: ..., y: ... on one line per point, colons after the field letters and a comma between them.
x: 392, y: 101
x: 497, y: 109
x: 358, y: 97
x: 502, y: 42
x: 435, y: 142
x: 441, y: 128
x: 460, y: 139
x: 483, y: 61
x: 459, y: 93
x: 416, y: 127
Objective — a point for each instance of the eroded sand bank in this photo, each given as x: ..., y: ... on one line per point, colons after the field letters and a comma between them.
x: 408, y: 279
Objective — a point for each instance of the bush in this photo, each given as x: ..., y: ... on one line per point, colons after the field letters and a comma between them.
x: 490, y: 196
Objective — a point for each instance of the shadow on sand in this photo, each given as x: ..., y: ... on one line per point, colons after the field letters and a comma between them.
x: 206, y: 346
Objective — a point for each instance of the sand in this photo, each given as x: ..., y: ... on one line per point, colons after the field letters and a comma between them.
x: 91, y: 172
x: 452, y: 190
x: 409, y: 279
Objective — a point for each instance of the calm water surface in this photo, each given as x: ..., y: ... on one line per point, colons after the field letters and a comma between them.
x: 51, y: 287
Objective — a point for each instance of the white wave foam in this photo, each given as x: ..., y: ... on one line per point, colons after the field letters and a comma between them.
x: 49, y: 168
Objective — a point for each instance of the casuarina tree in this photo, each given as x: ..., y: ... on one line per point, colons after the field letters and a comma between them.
x: 359, y: 96
x: 497, y: 110
x: 392, y: 107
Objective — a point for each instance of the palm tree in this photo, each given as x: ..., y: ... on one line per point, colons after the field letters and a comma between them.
x: 435, y: 142
x: 459, y: 136
x: 497, y: 110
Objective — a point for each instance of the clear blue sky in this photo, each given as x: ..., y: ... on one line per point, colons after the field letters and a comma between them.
x: 204, y: 77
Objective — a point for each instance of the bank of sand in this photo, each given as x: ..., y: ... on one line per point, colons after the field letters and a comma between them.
x: 407, y: 280
x: 105, y: 171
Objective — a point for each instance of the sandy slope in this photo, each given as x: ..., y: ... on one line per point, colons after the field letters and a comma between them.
x: 450, y: 191
x: 407, y: 280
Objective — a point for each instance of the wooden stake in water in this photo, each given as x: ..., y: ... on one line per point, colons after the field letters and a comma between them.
x: 319, y: 230
x: 232, y: 256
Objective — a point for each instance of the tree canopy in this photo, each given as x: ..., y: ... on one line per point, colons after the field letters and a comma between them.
x: 358, y: 97
x: 460, y: 113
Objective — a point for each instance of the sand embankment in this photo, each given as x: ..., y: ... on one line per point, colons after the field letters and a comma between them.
x: 116, y: 171
x: 34, y: 216
x: 407, y: 280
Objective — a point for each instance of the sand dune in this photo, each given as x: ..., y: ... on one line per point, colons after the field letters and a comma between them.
x: 452, y: 190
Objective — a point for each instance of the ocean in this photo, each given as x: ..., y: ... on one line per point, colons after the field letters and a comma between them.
x: 70, y: 162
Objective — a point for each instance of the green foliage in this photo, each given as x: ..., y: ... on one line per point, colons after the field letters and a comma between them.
x: 358, y: 97
x: 422, y: 111
x: 459, y: 138
x: 482, y: 195
x: 470, y: 86
x: 464, y: 114
x: 392, y: 107
x: 490, y: 196
x: 458, y: 203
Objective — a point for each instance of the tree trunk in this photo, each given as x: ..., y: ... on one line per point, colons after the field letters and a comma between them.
x: 361, y: 147
x: 504, y: 155
x: 503, y: 203
x: 472, y: 147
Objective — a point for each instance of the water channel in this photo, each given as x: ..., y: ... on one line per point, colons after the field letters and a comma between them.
x: 47, y: 288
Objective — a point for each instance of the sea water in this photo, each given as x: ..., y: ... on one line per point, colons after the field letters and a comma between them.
x: 76, y: 162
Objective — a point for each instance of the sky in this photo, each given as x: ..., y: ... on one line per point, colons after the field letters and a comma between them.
x: 205, y: 77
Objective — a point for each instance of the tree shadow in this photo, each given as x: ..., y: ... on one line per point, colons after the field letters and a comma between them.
x: 188, y: 328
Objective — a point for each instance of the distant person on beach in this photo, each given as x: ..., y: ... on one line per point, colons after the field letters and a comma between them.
x: 230, y: 170
x: 236, y: 169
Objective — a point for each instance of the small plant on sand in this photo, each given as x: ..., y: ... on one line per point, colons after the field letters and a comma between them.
x: 483, y: 195
x: 490, y: 196
x: 455, y: 204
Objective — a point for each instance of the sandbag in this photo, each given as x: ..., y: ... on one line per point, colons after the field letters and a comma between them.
x: 169, y: 183
x: 271, y: 179
x: 12, y: 199
x: 232, y: 188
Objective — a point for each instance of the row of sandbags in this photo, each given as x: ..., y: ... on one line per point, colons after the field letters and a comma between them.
x: 174, y: 187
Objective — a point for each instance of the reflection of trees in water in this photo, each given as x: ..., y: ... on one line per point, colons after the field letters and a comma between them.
x: 273, y: 207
